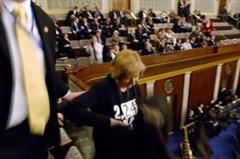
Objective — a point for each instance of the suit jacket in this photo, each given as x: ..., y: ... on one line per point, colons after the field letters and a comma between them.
x: 113, y: 15
x: 55, y: 86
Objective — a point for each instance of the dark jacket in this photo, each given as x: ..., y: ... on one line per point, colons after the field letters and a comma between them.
x: 54, y: 85
x: 106, y: 101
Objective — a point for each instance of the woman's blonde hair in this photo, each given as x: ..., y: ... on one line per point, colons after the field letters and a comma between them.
x: 127, y: 64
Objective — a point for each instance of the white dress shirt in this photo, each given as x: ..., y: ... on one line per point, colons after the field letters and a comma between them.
x: 19, y: 110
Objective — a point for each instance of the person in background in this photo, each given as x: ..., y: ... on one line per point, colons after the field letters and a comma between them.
x: 20, y: 138
x: 107, y: 27
x: 95, y: 50
x: 85, y: 29
x: 87, y: 13
x: 186, y: 45
x: 122, y: 14
x: 124, y: 47
x: 95, y: 25
x: 64, y: 46
x: 207, y: 26
x: 115, y: 39
x: 141, y: 36
x: 57, y: 27
x: 73, y: 13
x: 97, y: 13
x: 75, y: 27
x: 114, y: 51
x: 113, y: 15
x: 178, y: 45
x: 151, y: 13
x: 142, y: 15
x: 148, y: 48
x: 184, y: 7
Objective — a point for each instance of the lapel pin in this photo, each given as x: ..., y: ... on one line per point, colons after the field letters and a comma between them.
x: 45, y: 29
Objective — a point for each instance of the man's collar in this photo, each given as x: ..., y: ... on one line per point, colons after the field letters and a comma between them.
x: 10, y: 4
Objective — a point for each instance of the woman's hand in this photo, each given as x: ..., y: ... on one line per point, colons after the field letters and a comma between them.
x: 72, y: 95
x: 115, y: 122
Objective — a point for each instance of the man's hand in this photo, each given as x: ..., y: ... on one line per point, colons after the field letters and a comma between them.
x: 60, y: 119
x: 72, y: 96
x: 115, y: 122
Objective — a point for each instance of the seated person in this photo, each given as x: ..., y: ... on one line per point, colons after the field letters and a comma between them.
x: 113, y: 15
x: 114, y: 51
x: 194, y: 43
x: 85, y: 29
x: 64, y: 47
x: 123, y: 16
x: 207, y: 26
x: 115, y: 37
x: 107, y: 28
x: 131, y: 35
x: 87, y: 13
x: 141, y: 36
x: 178, y: 45
x: 131, y: 38
x: 75, y: 28
x: 186, y: 45
x: 97, y: 13
x: 211, y: 40
x: 57, y: 27
x: 119, y: 26
x: 161, y: 47
x: 184, y: 25
x: 164, y: 16
x: 124, y: 47
x: 150, y: 25
x: 95, y: 25
x: 170, y: 36
x: 148, y: 49
x: 142, y: 15
x: 151, y: 13
x: 73, y: 13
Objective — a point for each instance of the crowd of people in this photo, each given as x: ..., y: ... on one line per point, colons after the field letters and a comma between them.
x: 211, y: 121
x: 91, y: 24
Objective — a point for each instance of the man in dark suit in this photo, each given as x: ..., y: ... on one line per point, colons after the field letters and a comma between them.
x: 16, y: 140
x: 113, y: 15
x: 73, y: 13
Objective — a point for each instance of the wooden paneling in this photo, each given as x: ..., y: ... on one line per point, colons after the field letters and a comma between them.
x: 201, y: 87
x: 172, y: 87
x: 118, y: 4
x: 228, y: 48
x: 222, y: 4
x: 228, y: 74
x: 143, y: 92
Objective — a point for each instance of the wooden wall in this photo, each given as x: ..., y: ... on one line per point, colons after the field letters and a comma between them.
x: 172, y: 87
x: 118, y: 4
x: 201, y: 87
